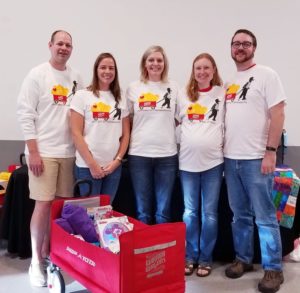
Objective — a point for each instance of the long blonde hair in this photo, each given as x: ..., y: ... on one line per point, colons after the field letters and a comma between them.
x: 144, y: 73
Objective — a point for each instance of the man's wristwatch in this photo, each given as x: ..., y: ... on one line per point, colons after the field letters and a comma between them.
x: 271, y: 149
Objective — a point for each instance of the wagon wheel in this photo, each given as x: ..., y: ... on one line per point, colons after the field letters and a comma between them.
x: 55, y: 280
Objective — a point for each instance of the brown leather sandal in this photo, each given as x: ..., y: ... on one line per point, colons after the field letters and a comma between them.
x: 189, y: 269
x: 203, y: 271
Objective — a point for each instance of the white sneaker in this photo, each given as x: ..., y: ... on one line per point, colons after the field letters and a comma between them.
x: 37, y: 275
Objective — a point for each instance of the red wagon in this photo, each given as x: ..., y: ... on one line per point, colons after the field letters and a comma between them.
x: 100, y: 115
x: 58, y: 98
x: 149, y: 104
x: 151, y: 258
x: 192, y: 117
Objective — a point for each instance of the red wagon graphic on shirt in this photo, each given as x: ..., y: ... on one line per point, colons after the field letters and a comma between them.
x: 231, y: 92
x: 148, y: 100
x: 196, y: 112
x: 100, y: 111
x: 60, y: 94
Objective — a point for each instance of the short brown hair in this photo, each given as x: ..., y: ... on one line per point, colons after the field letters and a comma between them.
x: 58, y: 31
x: 192, y: 87
x: 247, y: 32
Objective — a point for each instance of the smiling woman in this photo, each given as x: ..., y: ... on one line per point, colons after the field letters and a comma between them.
x: 154, y: 66
x: 99, y: 109
x: 153, y: 153
x: 106, y: 72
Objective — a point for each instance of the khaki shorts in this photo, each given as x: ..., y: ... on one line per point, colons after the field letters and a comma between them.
x: 56, y: 180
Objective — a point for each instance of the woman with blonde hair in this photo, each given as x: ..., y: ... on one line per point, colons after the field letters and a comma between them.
x: 200, y: 113
x: 152, y: 158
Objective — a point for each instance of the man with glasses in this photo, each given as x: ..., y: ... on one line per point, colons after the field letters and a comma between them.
x: 253, y: 125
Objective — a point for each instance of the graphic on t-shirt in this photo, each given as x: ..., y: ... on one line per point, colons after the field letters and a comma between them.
x: 74, y: 87
x: 196, y: 112
x: 214, y: 110
x: 100, y: 111
x: 118, y: 112
x: 148, y: 100
x: 167, y: 99
x: 60, y: 94
x: 233, y: 91
x: 245, y: 89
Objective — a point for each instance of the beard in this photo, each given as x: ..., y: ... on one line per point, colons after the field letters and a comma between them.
x: 244, y: 58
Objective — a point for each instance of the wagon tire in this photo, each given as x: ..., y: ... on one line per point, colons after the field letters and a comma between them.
x: 55, y: 280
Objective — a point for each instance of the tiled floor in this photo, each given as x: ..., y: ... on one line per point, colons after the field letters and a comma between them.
x: 14, y: 279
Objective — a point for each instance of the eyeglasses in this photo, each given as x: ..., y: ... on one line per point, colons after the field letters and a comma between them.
x: 245, y: 45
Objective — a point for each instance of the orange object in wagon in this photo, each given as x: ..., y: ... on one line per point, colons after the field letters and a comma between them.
x: 60, y: 94
x: 100, y: 110
x: 232, y: 92
x: 196, y: 112
x: 148, y: 100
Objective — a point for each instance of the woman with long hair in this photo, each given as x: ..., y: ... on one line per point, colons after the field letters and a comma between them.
x: 100, y: 128
x: 200, y: 113
x: 152, y: 158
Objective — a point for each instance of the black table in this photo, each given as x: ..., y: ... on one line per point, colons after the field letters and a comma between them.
x: 18, y: 208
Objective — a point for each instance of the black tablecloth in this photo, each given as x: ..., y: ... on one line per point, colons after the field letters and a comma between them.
x: 124, y: 202
x: 18, y: 209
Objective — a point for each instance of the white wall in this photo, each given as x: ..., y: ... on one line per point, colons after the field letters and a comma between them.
x: 127, y: 27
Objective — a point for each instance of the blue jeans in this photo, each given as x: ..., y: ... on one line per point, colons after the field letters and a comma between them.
x: 107, y: 185
x: 201, y: 187
x: 250, y: 198
x: 153, y: 181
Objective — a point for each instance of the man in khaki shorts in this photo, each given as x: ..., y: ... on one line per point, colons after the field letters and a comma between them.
x: 43, y: 112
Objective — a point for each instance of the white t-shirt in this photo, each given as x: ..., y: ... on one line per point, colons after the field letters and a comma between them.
x: 43, y: 109
x: 102, y: 124
x: 201, y: 130
x: 250, y: 94
x: 153, y: 107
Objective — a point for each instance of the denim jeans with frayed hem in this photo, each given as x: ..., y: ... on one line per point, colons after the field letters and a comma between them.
x: 201, y: 192
x: 153, y: 182
x: 107, y: 185
x: 250, y: 199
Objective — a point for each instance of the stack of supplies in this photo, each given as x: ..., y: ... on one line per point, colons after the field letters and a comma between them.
x: 95, y: 225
